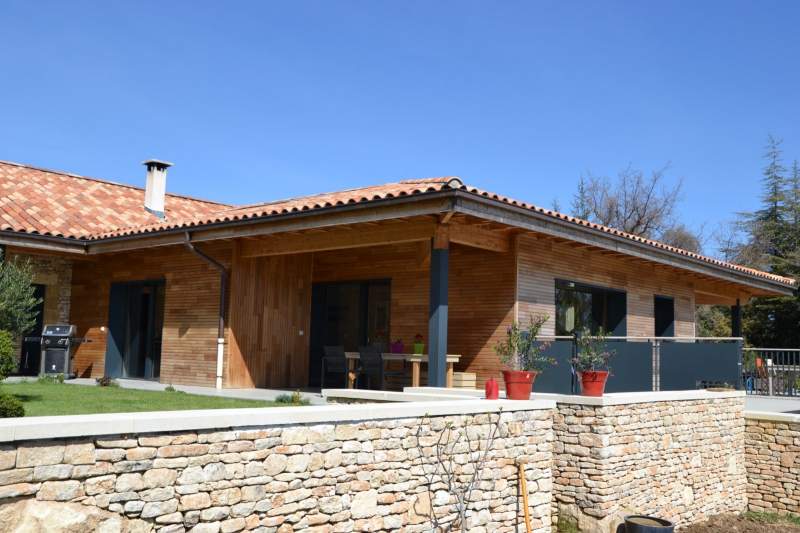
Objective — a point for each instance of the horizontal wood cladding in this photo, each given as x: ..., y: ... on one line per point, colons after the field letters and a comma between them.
x: 191, y: 303
x: 481, y: 295
x: 270, y: 313
x: 542, y: 261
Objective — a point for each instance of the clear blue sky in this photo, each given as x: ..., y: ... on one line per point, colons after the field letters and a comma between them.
x: 264, y: 100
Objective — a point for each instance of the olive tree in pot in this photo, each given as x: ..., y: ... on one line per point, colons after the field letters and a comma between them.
x: 523, y: 356
x: 591, y: 361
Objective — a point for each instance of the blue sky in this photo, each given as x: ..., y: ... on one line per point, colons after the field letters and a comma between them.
x: 263, y: 100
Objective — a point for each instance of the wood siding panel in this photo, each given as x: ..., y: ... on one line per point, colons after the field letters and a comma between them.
x: 191, y: 303
x: 270, y: 321
x: 481, y: 295
x: 542, y: 261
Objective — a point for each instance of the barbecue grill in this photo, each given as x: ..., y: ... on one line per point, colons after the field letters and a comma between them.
x: 58, y: 343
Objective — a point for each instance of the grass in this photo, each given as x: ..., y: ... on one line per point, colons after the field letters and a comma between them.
x: 42, y: 398
x: 567, y: 525
x: 772, y: 518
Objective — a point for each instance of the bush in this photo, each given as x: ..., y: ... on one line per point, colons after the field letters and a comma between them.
x: 106, y: 381
x: 292, y: 399
x: 8, y: 363
x: 10, y: 406
x: 51, y: 378
x: 170, y: 388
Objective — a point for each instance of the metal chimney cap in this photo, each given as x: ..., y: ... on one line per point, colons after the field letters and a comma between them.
x: 160, y: 165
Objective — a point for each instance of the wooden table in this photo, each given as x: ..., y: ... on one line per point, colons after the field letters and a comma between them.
x: 415, y: 359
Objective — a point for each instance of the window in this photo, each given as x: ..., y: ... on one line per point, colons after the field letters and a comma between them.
x: 664, y: 319
x: 581, y: 306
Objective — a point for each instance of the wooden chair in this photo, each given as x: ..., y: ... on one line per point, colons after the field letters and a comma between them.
x: 334, y: 362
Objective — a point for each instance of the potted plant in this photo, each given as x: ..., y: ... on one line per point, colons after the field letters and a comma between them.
x: 523, y: 356
x: 397, y: 346
x: 419, y: 346
x: 591, y: 361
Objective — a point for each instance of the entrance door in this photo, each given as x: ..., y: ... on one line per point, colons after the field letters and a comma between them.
x: 31, y: 350
x: 664, y: 308
x: 135, y: 321
x: 349, y: 314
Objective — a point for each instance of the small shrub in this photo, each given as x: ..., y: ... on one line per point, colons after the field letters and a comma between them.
x: 10, y: 406
x: 295, y: 398
x: 8, y: 363
x: 51, y: 378
x: 170, y: 388
x: 567, y: 525
x: 106, y: 381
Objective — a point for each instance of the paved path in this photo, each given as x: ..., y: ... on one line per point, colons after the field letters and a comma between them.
x: 772, y: 403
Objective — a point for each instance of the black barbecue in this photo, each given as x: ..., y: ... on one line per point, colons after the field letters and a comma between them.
x: 58, y: 342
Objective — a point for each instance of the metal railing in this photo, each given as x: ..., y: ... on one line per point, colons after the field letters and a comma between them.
x: 772, y: 371
x: 652, y: 363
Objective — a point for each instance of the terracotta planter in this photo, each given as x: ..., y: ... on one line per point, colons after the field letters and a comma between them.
x: 593, y: 382
x: 519, y: 384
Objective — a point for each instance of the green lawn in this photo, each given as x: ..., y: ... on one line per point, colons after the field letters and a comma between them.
x: 43, y: 399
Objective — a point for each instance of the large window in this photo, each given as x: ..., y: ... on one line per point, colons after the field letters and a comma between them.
x: 581, y: 306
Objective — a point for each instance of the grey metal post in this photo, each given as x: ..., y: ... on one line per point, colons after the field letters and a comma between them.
x: 437, y: 318
x: 736, y: 319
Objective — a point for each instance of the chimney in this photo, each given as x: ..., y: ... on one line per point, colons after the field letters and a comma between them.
x: 156, y: 187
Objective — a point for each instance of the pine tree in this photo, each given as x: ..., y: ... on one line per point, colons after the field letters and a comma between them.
x: 580, y: 201
x: 774, y: 234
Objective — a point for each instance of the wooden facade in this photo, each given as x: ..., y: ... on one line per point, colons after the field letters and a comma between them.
x: 188, y: 340
x: 495, y: 277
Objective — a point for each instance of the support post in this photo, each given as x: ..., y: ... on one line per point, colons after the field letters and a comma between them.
x: 437, y: 316
x: 736, y: 319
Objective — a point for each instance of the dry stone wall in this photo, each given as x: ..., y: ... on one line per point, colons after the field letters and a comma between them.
x: 681, y: 460
x: 337, y: 477
x: 773, y: 462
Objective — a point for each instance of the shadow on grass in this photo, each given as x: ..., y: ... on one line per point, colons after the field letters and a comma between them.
x: 28, y: 397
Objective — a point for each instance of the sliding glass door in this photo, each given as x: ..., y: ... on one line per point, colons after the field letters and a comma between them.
x: 348, y: 314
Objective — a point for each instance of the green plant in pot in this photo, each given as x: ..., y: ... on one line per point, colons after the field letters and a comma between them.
x: 591, y: 361
x: 523, y: 355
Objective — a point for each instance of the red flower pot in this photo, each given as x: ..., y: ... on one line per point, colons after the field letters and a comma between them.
x: 519, y: 384
x: 593, y: 382
x: 492, y: 389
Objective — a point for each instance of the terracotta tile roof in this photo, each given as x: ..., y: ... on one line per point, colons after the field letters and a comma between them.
x: 47, y: 202
x: 296, y: 205
x: 636, y: 238
x: 96, y: 210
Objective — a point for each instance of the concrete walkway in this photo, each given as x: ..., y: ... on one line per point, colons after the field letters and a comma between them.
x: 314, y: 397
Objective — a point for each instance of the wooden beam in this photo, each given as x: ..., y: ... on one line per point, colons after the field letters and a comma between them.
x: 480, y: 238
x: 336, y: 239
x: 441, y: 237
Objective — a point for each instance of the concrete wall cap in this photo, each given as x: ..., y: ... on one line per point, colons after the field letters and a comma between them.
x: 612, y: 398
x: 52, y: 427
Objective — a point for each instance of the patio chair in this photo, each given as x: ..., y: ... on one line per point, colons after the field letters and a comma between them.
x: 334, y: 362
x: 372, y: 366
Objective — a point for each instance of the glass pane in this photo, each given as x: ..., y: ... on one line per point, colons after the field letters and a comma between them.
x: 378, y: 308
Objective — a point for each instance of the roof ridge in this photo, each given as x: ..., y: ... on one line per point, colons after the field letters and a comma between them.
x: 105, y: 181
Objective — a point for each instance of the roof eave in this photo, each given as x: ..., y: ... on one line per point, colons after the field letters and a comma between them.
x: 526, y: 218
x: 48, y: 243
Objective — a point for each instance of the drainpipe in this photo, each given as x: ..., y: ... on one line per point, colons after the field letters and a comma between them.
x: 223, y: 291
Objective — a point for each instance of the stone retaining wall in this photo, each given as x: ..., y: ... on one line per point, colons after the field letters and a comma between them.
x: 772, y: 444
x: 322, y: 477
x: 332, y: 469
x: 680, y: 460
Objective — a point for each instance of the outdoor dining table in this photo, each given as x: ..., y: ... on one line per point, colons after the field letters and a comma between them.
x: 416, y: 360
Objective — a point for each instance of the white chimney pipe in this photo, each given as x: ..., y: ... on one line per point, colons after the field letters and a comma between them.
x: 156, y: 187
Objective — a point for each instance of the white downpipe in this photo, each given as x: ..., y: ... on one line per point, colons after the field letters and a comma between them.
x: 220, y: 360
